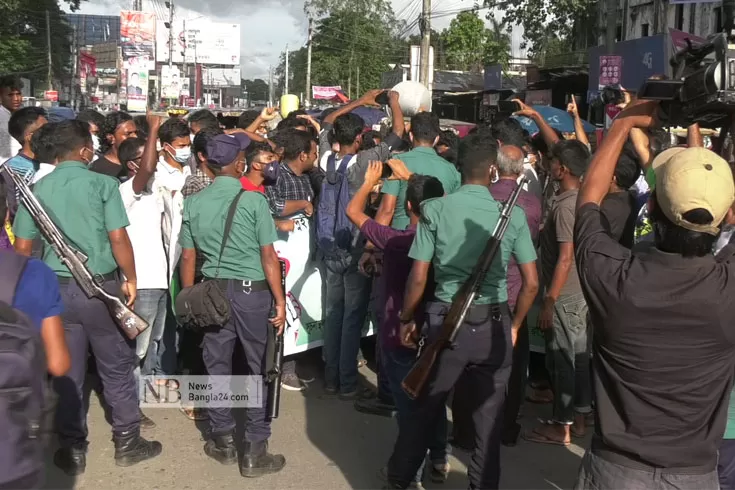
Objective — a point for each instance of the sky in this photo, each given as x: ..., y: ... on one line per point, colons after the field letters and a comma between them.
x: 266, y: 26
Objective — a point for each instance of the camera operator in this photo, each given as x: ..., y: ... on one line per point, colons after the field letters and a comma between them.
x: 663, y: 339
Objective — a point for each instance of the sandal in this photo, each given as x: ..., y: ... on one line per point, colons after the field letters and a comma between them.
x: 537, y: 437
x: 193, y: 413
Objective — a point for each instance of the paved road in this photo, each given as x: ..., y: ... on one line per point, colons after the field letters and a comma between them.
x: 327, y: 443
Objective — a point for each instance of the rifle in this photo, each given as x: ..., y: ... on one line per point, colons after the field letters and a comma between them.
x: 273, y: 404
x: 130, y: 323
x: 416, y: 378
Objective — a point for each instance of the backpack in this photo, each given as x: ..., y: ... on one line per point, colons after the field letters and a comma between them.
x: 334, y: 229
x: 23, y: 382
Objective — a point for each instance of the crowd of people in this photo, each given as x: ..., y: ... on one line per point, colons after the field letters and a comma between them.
x: 623, y: 245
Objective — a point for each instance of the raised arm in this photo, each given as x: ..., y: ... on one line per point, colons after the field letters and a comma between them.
x: 549, y: 135
x: 149, y: 160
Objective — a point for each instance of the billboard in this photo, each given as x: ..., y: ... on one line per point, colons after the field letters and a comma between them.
x: 211, y: 43
x: 137, y: 34
x: 170, y: 82
x: 221, y: 77
x: 135, y: 88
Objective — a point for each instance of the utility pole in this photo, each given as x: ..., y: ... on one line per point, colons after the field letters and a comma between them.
x: 308, y: 65
x: 170, y: 5
x: 75, y: 76
x: 425, y: 42
x: 285, y: 82
x: 611, y: 25
x: 270, y: 86
x: 357, y: 92
x: 48, y: 49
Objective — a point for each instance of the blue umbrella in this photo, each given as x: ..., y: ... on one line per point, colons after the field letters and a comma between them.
x: 558, y: 119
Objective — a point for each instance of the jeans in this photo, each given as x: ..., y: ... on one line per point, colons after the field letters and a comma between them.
x: 726, y: 464
x: 597, y: 473
x: 397, y: 363
x: 347, y: 297
x: 568, y: 358
x: 151, y: 306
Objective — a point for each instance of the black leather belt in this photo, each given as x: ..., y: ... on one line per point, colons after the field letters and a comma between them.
x: 110, y: 276
x: 247, y: 286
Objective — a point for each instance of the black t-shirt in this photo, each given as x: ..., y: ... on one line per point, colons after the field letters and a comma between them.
x: 663, y: 348
x: 103, y: 166
x: 618, y: 208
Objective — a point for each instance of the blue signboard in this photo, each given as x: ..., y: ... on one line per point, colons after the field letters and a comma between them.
x: 642, y: 58
x: 493, y: 77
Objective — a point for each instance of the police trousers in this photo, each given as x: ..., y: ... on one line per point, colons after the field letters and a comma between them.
x: 249, y: 324
x: 87, y: 322
x: 482, y: 354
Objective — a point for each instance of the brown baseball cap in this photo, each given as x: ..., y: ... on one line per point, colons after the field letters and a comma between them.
x: 693, y: 178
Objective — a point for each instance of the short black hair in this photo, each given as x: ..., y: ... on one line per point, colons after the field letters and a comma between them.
x: 199, y: 145
x: 294, y: 143
x: 451, y: 141
x: 293, y: 122
x: 572, y: 154
x: 43, y: 143
x: 91, y: 116
x: 203, y: 117
x: 128, y: 150
x: 247, y: 118
x: 368, y: 140
x: 674, y: 239
x: 11, y: 82
x: 173, y: 128
x: 425, y: 127
x: 141, y: 125
x: 476, y: 154
x: 347, y: 128
x: 627, y: 170
x: 255, y: 149
x: 71, y: 136
x: 509, y: 132
x: 420, y: 188
x: 22, y: 119
x: 112, y: 121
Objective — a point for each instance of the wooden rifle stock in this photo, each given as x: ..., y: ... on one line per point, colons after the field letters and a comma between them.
x: 417, y: 377
x: 130, y: 323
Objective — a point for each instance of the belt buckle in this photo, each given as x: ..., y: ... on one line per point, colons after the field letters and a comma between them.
x: 247, y: 287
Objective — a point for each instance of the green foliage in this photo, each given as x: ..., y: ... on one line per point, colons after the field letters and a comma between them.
x: 23, y: 38
x: 543, y: 20
x: 469, y: 45
x: 257, y: 89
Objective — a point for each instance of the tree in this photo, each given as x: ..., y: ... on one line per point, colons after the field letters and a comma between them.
x: 469, y: 45
x: 23, y: 39
x: 257, y: 89
x: 542, y: 20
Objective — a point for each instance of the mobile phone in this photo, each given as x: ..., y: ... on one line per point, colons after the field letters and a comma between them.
x: 508, y: 106
x: 383, y: 98
x: 387, y: 171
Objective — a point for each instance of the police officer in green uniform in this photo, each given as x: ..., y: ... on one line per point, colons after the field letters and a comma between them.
x: 249, y: 271
x: 89, y: 212
x: 451, y: 235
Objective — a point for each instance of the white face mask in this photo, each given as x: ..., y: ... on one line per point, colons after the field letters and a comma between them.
x: 181, y: 155
x: 96, y: 142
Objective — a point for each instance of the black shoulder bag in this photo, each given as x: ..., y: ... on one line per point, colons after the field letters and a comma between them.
x: 205, y: 304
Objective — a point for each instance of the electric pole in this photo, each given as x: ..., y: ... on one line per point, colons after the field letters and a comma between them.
x: 308, y: 65
x: 270, y: 86
x: 285, y: 83
x: 357, y: 92
x: 48, y: 48
x: 611, y: 25
x: 170, y: 5
x: 425, y: 42
x: 75, y: 77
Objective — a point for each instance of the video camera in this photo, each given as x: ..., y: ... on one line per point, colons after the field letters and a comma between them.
x: 702, y: 89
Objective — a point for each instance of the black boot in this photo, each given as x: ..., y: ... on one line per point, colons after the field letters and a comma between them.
x: 131, y: 449
x: 222, y: 449
x: 72, y: 460
x: 257, y: 461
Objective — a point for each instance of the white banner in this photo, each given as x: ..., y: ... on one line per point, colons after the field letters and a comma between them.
x: 170, y: 82
x: 203, y: 42
x: 221, y: 77
x: 326, y: 93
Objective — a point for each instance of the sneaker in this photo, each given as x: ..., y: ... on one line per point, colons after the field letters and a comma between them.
x: 358, y: 394
x: 375, y: 407
x: 291, y: 382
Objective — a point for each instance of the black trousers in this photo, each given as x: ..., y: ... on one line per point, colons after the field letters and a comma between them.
x: 481, y: 358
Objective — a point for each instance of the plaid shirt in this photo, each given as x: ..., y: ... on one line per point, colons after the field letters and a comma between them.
x: 289, y: 187
x: 195, y: 183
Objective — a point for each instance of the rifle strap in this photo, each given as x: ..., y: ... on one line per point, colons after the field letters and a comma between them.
x: 228, y: 227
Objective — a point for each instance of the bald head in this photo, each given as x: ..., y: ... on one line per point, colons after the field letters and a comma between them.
x: 510, y: 160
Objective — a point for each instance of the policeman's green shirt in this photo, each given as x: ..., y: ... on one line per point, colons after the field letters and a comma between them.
x: 85, y: 206
x: 453, y: 232
x: 425, y: 161
x: 252, y: 227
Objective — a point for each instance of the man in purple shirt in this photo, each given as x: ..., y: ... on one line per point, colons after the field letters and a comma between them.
x: 395, y: 244
x: 510, y: 168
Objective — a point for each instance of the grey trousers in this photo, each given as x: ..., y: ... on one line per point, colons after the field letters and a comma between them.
x: 597, y: 473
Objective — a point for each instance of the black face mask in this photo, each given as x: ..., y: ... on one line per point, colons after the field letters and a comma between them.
x: 270, y: 173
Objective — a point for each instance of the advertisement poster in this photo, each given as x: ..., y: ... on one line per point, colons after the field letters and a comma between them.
x: 538, y: 97
x: 170, y: 82
x: 325, y: 93
x: 610, y: 70
x: 221, y: 77
x: 138, y: 34
x: 137, y: 88
x: 201, y: 41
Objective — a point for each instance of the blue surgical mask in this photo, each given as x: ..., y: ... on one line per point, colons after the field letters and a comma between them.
x: 181, y: 155
x: 270, y: 173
